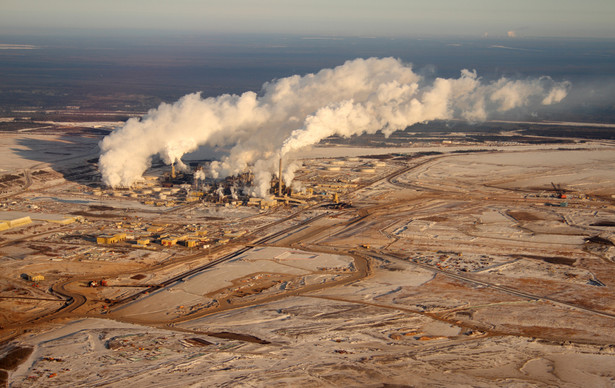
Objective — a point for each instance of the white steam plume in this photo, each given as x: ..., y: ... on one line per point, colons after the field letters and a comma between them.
x: 199, y: 175
x: 360, y: 96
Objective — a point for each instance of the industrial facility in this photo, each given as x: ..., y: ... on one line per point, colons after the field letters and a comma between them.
x: 316, y: 181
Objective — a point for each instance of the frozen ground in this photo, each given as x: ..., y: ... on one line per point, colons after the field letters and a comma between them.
x: 385, y: 329
x: 312, y: 343
x: 19, y: 150
x: 279, y: 269
x: 575, y: 170
x: 473, y: 275
x: 346, y: 151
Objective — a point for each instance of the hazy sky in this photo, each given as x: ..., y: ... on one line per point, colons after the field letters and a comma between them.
x: 521, y: 18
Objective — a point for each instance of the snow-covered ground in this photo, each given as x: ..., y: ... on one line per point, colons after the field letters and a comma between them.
x: 473, y: 281
x: 198, y: 291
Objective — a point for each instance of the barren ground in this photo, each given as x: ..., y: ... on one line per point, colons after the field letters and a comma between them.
x: 451, y: 269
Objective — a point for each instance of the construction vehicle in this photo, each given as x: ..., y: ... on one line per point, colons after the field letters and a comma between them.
x: 560, y: 193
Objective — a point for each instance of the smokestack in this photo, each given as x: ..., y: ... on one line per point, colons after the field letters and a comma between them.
x: 173, y: 170
x: 280, y: 179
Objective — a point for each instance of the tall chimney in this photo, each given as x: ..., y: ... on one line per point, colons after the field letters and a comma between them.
x: 173, y: 170
x: 280, y: 179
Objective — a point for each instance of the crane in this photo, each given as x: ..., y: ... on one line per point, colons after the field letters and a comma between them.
x: 561, y: 193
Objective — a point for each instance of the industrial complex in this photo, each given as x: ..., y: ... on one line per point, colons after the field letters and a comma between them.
x: 374, y: 258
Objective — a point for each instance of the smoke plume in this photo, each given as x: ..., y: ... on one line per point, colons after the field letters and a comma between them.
x: 360, y: 96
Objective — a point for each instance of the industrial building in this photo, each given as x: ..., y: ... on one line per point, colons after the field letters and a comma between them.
x: 111, y: 239
x: 33, y: 278
x: 169, y: 241
x: 13, y: 219
x: 10, y: 222
x: 144, y: 241
x: 191, y: 242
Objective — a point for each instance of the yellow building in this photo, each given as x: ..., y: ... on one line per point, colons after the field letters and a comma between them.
x: 262, y: 203
x: 119, y: 237
x: 64, y: 221
x: 20, y: 221
x: 107, y: 239
x: 191, y: 243
x: 33, y: 278
x: 11, y: 223
x: 197, y: 231
x: 143, y: 241
x: 169, y: 241
x: 103, y: 239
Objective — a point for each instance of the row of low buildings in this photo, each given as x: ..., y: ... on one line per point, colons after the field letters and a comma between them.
x: 155, y: 195
x: 13, y: 219
x: 193, y: 236
x: 196, y: 237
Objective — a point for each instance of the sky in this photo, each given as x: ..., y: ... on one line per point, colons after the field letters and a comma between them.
x: 468, y: 18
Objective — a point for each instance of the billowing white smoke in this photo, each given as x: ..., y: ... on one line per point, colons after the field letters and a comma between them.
x: 360, y: 96
x: 288, y: 175
x: 199, y: 175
